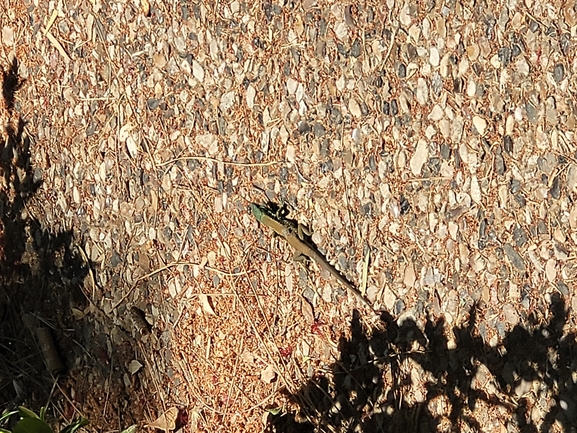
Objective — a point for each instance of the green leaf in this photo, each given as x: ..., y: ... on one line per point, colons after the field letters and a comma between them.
x: 7, y: 415
x: 32, y: 425
x: 26, y: 413
x: 274, y: 410
x: 71, y: 428
x: 43, y: 413
x: 131, y: 429
x: 4, y: 431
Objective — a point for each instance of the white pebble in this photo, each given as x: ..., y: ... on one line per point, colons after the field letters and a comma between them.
x: 434, y: 57
x: 480, y: 124
x: 420, y: 157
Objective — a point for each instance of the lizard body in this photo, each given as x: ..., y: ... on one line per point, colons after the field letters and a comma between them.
x: 289, y: 231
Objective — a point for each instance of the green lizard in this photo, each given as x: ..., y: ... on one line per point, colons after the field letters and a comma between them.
x: 295, y: 237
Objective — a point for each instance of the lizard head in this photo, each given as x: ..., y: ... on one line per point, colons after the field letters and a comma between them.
x: 257, y: 211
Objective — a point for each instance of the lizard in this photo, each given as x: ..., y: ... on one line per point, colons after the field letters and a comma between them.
x: 295, y: 237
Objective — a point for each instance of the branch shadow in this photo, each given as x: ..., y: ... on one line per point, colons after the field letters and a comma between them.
x: 529, y: 377
x: 41, y: 271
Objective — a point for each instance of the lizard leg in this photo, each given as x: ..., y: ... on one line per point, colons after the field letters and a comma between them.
x: 280, y: 212
x: 304, y: 231
x: 301, y: 258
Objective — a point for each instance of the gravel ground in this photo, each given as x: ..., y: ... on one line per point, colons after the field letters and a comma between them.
x: 430, y: 146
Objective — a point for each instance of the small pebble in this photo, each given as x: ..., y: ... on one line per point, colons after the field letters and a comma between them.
x: 515, y: 50
x: 304, y: 128
x: 520, y: 199
x: 367, y: 209
x: 434, y: 57
x: 504, y: 55
x: 342, y: 50
x: 184, y: 11
x: 445, y: 151
x: 565, y: 43
x: 153, y: 103
x: 356, y: 48
x: 571, y: 178
x: 508, y: 144
x: 514, y: 257
x: 483, y: 234
x: 477, y: 69
x: 532, y: 112
x: 437, y: 83
x: 555, y: 190
x: 458, y: 85
x: 355, y: 108
x: 519, y: 236
x: 401, y: 70
x: 372, y: 163
x: 547, y: 163
x: 510, y: 314
x: 480, y: 124
x: 499, y: 165
x: 559, y: 72
x: 309, y: 294
x: 411, y: 52
x: 489, y: 26
x: 434, y: 166
x: 283, y: 175
x: 500, y: 326
x: 319, y: 129
x: 386, y: 108
x: 37, y: 176
x: 563, y: 288
x: 399, y: 307
x: 483, y: 331
x: 419, y: 157
x: 63, y: 27
x: 167, y: 234
x: 115, y: 260
x: 404, y: 204
x: 336, y: 116
x: 422, y: 91
x: 480, y: 91
x: 394, y: 107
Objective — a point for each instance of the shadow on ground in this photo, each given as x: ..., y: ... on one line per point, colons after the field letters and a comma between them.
x: 536, y: 363
x: 40, y: 270
x: 42, y: 275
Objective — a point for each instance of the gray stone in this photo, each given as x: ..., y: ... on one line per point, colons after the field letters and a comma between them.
x: 445, y: 151
x: 153, y: 103
x: 304, y: 128
x: 563, y: 288
x: 547, y: 163
x: 519, y: 236
x: 504, y: 55
x: 555, y: 190
x: 401, y: 70
x: 399, y: 307
x: 532, y: 112
x: 319, y: 129
x: 511, y: 315
x: 356, y: 48
x: 559, y: 72
x: 514, y: 257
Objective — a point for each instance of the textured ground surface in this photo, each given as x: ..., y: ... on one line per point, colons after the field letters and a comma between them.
x: 430, y: 145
